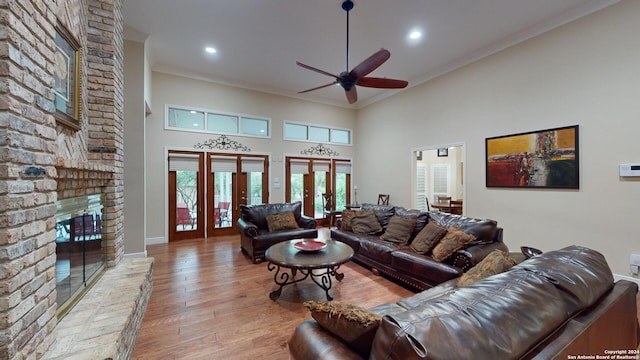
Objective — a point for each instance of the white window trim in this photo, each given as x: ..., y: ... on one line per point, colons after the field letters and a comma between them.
x: 205, y: 111
x: 284, y: 137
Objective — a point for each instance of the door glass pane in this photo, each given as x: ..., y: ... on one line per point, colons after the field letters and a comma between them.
x: 222, y: 199
x: 297, y: 188
x: 341, y: 191
x: 320, y: 187
x: 254, y: 188
x: 186, y: 200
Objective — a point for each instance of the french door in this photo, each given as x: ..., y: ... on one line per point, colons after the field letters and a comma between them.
x: 308, y: 178
x: 186, y: 196
x: 232, y: 180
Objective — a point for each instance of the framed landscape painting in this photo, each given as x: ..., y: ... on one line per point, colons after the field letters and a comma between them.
x: 66, y: 78
x: 537, y: 159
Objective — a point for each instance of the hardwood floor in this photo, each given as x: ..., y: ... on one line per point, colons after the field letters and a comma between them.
x: 210, y: 302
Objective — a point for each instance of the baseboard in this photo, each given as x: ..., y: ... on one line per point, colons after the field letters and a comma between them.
x: 617, y: 277
x: 155, y: 240
x: 137, y: 255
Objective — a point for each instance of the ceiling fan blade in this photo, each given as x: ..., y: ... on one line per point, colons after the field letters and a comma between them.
x: 382, y: 83
x: 371, y: 63
x: 352, y: 95
x: 317, y: 70
x: 317, y: 87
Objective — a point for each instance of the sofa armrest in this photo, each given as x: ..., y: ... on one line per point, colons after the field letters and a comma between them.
x: 469, y: 257
x: 248, y: 228
x: 307, y: 222
x: 311, y: 341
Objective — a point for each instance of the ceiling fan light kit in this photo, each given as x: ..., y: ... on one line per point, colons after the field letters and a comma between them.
x: 358, y: 75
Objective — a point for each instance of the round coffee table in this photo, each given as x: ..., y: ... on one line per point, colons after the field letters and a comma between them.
x: 320, y: 265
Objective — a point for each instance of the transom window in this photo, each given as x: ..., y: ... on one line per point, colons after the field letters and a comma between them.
x: 314, y: 133
x: 200, y: 120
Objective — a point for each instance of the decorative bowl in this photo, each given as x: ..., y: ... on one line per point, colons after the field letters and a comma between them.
x: 309, y: 245
x: 529, y: 251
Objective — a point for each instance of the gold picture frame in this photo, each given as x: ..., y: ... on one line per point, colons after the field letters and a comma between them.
x: 66, y: 76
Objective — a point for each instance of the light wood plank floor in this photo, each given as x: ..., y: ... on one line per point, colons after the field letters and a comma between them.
x: 210, y: 302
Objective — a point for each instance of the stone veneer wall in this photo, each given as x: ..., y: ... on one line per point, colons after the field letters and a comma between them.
x: 41, y: 161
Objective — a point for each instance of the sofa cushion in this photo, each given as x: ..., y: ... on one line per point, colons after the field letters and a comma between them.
x: 366, y: 222
x: 399, y: 229
x: 455, y: 239
x: 347, y: 216
x: 428, y: 238
x: 257, y: 214
x: 422, y: 267
x: 373, y: 247
x: 383, y: 212
x: 483, y: 229
x: 471, y: 322
x: 355, y: 325
x: 281, y: 221
x: 495, y: 263
x: 582, y: 274
x: 422, y: 218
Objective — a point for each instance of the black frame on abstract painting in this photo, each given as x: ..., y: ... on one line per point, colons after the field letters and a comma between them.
x: 536, y: 159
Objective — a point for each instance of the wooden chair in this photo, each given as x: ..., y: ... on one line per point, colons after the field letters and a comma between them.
x: 426, y: 198
x: 455, y: 207
x: 329, y: 209
x: 383, y: 199
x: 443, y: 203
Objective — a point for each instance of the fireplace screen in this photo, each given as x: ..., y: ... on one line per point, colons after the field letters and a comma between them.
x: 79, y: 255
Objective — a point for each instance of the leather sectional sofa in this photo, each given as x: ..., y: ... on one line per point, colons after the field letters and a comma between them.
x: 418, y: 271
x: 255, y: 237
x: 558, y: 305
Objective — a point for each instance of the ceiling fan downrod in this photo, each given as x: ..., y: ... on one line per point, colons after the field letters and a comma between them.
x: 347, y: 5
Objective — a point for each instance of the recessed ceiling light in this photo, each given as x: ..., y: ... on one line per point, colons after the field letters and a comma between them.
x: 210, y: 50
x: 415, y: 35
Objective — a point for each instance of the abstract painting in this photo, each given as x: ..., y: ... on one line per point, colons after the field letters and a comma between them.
x: 536, y: 159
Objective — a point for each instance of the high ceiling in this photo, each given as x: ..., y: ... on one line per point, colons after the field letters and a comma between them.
x: 259, y: 41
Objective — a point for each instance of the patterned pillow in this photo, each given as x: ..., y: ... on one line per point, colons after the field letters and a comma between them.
x: 347, y: 216
x: 281, y: 221
x: 496, y: 262
x: 428, y: 237
x: 366, y: 222
x: 454, y: 240
x: 399, y: 229
x: 354, y: 325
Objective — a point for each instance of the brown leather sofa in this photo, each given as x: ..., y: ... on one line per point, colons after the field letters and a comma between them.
x: 418, y: 271
x: 255, y: 237
x: 558, y: 305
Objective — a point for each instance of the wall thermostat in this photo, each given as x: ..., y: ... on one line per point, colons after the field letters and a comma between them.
x: 630, y: 169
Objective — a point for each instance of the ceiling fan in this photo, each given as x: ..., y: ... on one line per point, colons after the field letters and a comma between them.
x: 358, y: 75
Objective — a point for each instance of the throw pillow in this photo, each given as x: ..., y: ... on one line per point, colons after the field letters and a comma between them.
x: 366, y: 222
x: 281, y: 221
x: 347, y: 216
x: 496, y: 262
x: 428, y: 237
x: 399, y: 229
x: 454, y: 240
x: 354, y: 325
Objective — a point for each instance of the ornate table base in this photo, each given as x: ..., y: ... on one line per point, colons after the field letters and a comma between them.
x: 322, y: 278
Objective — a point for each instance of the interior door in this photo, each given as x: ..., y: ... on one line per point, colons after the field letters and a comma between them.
x: 186, y: 196
x: 233, y: 179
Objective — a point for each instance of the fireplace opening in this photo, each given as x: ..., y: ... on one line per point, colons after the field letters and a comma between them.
x: 80, y: 259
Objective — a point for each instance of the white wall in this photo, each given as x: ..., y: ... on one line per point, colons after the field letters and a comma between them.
x: 585, y: 73
x: 134, y: 121
x: 177, y: 90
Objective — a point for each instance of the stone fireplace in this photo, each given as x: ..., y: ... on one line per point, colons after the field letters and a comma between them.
x: 45, y: 161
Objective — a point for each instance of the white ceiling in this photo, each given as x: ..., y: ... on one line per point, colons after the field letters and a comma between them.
x: 259, y: 41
